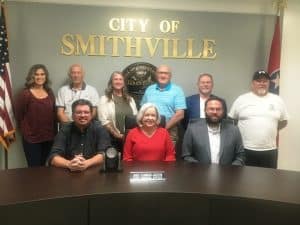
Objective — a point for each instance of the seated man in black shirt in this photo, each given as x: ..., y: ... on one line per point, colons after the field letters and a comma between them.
x: 81, y: 143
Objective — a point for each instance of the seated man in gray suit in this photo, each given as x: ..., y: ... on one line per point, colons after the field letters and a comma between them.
x: 213, y: 140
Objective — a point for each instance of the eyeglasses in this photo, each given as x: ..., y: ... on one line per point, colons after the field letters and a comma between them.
x: 214, y: 109
x: 163, y: 72
x: 79, y: 113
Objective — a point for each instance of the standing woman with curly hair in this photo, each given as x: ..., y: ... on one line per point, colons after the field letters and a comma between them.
x: 114, y: 106
x: 35, y: 114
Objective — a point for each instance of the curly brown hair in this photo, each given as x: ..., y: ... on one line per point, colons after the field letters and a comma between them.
x: 31, y: 73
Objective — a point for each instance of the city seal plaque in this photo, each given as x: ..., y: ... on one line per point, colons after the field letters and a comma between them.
x: 138, y: 76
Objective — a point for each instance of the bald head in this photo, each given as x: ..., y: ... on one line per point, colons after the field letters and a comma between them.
x: 163, y: 75
x: 76, y: 75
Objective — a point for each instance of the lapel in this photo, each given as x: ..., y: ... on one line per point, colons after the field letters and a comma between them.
x: 206, y: 145
x: 195, y: 104
x: 223, y: 137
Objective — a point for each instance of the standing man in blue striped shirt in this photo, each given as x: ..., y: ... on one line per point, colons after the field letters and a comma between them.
x: 169, y: 99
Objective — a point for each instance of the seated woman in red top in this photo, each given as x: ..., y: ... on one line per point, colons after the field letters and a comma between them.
x: 148, y: 142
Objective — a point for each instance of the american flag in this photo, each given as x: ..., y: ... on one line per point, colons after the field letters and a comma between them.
x: 7, y: 120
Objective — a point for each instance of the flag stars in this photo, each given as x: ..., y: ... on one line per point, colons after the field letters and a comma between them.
x: 276, y: 81
x: 3, y: 46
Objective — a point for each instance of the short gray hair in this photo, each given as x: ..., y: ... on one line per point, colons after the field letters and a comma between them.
x: 142, y: 111
x: 75, y: 65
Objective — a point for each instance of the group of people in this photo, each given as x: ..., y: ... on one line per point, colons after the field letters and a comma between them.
x: 88, y: 125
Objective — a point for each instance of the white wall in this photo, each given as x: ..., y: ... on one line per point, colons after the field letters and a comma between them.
x: 289, y: 146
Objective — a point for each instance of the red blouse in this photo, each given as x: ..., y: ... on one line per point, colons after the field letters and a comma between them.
x: 139, y: 147
x: 36, y: 117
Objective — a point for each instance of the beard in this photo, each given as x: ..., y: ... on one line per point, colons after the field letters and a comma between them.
x: 213, y: 122
x: 262, y: 91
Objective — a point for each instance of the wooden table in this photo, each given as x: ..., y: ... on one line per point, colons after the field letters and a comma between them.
x: 191, y: 194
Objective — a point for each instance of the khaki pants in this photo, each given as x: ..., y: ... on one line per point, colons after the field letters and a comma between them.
x: 173, y: 131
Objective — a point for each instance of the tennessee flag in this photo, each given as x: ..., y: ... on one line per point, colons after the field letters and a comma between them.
x: 274, y: 59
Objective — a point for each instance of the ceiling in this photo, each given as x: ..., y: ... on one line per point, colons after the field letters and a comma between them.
x: 235, y: 6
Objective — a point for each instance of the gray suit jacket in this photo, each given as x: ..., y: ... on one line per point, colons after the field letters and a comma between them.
x: 196, y: 147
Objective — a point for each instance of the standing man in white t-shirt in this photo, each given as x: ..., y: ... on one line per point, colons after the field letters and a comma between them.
x: 260, y: 115
x: 76, y: 89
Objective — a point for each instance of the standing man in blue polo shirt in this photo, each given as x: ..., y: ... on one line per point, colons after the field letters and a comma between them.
x: 169, y: 99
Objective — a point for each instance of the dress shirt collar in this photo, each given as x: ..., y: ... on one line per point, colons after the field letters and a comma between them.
x: 82, y: 87
x: 166, y: 88
x: 214, y: 130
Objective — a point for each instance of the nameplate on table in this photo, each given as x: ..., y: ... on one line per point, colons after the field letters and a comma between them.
x: 146, y: 176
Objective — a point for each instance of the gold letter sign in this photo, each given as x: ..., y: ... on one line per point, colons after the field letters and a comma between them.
x: 138, y: 46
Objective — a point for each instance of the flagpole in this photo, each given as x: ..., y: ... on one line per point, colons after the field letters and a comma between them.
x: 5, y: 159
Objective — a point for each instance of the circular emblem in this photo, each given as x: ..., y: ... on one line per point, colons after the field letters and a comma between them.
x: 138, y: 77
